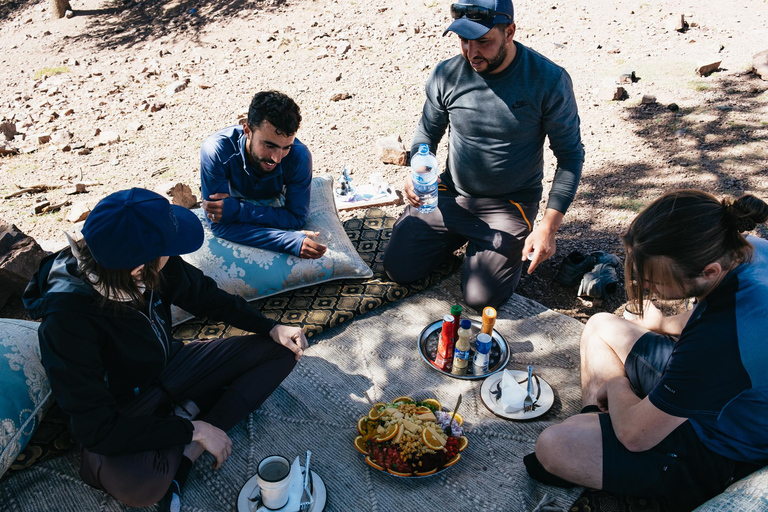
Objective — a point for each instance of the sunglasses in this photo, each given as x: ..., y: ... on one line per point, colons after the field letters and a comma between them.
x: 475, y: 12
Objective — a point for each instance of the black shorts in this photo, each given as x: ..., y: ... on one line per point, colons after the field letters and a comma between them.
x: 680, y: 469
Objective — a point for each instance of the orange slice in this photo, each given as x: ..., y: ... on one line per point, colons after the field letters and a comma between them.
x: 361, y: 446
x: 361, y: 424
x: 453, y: 461
x: 463, y: 442
x: 403, y: 399
x: 374, y: 413
x: 397, y: 473
x: 388, y: 434
x: 370, y: 462
x: 423, y: 410
x: 433, y: 402
x: 459, y: 419
x: 425, y: 473
x: 431, y: 439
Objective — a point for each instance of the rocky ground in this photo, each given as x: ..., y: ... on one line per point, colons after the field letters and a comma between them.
x: 123, y: 93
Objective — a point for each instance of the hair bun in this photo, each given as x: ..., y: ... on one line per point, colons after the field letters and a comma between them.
x: 746, y: 212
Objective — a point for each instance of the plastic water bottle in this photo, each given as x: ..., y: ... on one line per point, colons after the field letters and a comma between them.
x: 424, y: 174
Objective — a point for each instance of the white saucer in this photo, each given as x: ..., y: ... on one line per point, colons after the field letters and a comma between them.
x: 319, y: 493
x: 490, y: 392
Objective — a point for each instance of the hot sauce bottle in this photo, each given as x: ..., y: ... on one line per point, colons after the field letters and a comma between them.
x: 444, y: 356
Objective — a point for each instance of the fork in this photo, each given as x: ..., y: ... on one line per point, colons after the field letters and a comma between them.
x: 449, y: 429
x: 306, y: 496
x: 528, y: 402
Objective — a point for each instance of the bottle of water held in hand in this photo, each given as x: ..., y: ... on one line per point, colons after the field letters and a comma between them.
x: 424, y: 174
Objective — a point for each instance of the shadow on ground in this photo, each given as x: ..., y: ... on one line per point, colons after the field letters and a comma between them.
x: 719, y: 145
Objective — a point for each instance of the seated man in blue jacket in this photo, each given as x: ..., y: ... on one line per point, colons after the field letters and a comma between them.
x: 261, y: 159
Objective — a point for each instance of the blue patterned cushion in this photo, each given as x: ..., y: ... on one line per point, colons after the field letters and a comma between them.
x: 25, y: 393
x: 749, y: 494
x: 256, y: 273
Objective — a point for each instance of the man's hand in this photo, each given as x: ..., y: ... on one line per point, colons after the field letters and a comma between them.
x: 541, y: 242
x: 310, y: 249
x: 291, y: 338
x: 410, y: 194
x: 214, y: 206
x: 214, y: 440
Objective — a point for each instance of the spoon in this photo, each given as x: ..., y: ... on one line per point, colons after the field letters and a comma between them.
x: 449, y: 429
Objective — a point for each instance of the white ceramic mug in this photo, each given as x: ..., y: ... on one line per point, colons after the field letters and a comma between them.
x: 273, y: 477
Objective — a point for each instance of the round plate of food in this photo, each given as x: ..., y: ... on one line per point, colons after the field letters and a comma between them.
x: 408, y: 439
x: 541, y: 392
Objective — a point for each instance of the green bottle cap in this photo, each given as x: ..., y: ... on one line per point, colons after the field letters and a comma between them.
x: 456, y: 310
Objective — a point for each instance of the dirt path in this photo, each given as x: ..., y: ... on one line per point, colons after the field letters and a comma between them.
x: 110, y: 67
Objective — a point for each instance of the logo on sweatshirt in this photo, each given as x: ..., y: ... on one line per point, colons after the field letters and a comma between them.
x: 518, y: 104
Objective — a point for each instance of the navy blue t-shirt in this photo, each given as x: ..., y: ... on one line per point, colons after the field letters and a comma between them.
x: 717, y: 375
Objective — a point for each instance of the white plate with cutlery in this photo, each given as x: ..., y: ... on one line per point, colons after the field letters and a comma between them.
x: 245, y: 503
x: 541, y: 392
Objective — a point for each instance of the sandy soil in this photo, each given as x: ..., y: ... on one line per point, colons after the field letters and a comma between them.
x: 109, y: 69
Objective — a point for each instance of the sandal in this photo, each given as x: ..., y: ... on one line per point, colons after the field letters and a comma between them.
x: 599, y: 283
x: 573, y: 268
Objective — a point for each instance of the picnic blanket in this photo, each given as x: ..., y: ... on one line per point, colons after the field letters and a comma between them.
x: 318, y: 405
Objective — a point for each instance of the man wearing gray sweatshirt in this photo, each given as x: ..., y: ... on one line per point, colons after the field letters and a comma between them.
x: 499, y: 100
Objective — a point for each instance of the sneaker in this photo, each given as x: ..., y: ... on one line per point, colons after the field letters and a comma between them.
x: 599, y: 283
x: 573, y: 268
x: 171, y: 502
x: 607, y: 259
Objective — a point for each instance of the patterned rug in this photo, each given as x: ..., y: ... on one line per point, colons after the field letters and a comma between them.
x: 320, y: 307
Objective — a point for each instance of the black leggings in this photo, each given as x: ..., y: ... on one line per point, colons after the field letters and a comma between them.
x: 240, y: 373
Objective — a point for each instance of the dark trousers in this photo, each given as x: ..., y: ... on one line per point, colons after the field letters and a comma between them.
x: 234, y: 376
x: 493, y: 229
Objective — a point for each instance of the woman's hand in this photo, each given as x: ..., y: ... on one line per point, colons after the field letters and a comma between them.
x: 214, y: 440
x: 291, y: 338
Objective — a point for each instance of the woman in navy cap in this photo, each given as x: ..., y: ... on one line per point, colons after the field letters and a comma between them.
x: 142, y: 405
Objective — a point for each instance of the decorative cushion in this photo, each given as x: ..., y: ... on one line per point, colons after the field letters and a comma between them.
x: 256, y: 273
x: 26, y: 393
x: 750, y: 494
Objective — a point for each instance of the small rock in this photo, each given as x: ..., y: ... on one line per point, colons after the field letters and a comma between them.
x: 80, y: 210
x: 171, y: 8
x: 176, y: 87
x: 391, y: 150
x: 343, y: 47
x: 8, y: 130
x: 42, y: 138
x: 61, y: 137
x: 341, y: 96
x: 135, y: 127
x: 708, y: 69
x: 673, y: 107
x: 628, y: 78
x: 77, y: 188
x: 612, y: 93
x: 7, y: 149
x: 157, y: 107
x: 107, y: 138
x: 178, y: 193
x: 676, y: 23
x: 84, y: 151
x: 648, y: 99
x: 68, y: 14
x: 760, y: 64
x: 20, y: 256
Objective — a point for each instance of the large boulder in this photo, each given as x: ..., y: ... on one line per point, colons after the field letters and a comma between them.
x: 760, y: 64
x: 20, y: 256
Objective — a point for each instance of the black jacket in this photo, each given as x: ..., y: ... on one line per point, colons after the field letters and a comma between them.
x: 98, y: 358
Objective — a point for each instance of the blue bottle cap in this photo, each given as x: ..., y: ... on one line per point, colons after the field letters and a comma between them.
x: 466, y: 324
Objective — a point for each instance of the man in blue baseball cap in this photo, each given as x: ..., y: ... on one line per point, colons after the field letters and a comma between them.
x: 500, y: 99
x: 142, y: 405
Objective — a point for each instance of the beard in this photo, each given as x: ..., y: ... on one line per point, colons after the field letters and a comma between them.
x: 495, y: 61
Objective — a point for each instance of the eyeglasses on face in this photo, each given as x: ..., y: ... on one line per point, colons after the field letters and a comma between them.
x: 475, y: 12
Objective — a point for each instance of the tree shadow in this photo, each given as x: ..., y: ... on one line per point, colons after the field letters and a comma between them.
x: 127, y: 23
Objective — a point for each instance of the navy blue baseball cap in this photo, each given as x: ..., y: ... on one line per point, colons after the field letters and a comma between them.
x: 472, y: 20
x: 133, y: 227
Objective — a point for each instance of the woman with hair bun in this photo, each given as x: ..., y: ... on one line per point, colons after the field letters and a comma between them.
x: 142, y: 405
x: 674, y: 407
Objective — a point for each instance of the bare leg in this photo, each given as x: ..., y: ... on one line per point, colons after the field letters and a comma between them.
x: 605, y: 344
x: 573, y: 450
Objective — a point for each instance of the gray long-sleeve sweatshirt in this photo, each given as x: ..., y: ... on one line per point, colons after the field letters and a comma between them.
x: 497, y: 125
